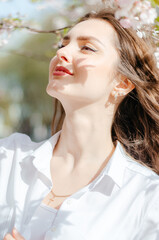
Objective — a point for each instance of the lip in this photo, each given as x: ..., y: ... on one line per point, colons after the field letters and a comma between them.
x: 60, y: 71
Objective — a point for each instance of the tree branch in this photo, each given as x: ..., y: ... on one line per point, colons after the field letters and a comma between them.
x: 32, y: 29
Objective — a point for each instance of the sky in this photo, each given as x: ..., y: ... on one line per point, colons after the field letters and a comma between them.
x: 25, y: 7
x: 28, y: 11
x: 14, y: 6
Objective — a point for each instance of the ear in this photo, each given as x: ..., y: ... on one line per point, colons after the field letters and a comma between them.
x: 123, y: 87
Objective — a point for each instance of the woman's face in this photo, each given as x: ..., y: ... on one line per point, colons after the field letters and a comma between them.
x: 88, y: 52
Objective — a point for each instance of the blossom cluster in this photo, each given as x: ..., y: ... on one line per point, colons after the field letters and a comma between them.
x: 139, y: 15
x: 7, y: 26
x: 135, y: 13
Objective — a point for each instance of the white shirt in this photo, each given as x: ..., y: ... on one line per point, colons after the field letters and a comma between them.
x: 122, y: 203
x: 41, y: 222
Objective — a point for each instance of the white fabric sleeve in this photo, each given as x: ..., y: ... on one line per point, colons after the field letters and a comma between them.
x: 150, y: 227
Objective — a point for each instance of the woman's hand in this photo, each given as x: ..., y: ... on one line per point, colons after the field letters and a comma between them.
x: 15, y: 235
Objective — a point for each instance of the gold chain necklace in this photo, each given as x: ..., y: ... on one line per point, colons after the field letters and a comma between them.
x: 56, y: 196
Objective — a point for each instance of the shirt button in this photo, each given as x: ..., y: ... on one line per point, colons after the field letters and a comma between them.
x: 53, y: 229
x: 69, y: 201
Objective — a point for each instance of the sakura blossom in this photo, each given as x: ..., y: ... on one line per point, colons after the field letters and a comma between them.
x: 157, y: 56
x: 133, y: 11
x: 125, y: 22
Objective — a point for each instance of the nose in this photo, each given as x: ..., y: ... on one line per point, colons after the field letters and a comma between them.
x: 64, y: 55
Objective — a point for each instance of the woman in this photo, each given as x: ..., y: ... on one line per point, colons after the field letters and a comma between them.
x: 96, y: 185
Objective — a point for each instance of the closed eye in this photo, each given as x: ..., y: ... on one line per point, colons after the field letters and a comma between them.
x: 82, y: 48
x: 88, y: 49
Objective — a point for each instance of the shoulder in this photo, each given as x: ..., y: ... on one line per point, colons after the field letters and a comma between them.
x: 142, y: 178
x: 14, y: 150
x: 135, y: 167
x: 17, y: 146
x: 17, y: 140
x: 144, y: 183
x: 138, y: 168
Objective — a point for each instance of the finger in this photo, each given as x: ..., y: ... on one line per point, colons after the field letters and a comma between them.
x: 8, y: 237
x: 17, y: 235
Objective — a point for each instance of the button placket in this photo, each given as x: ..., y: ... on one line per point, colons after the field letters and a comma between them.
x: 53, y: 229
x: 69, y: 201
x: 65, y: 205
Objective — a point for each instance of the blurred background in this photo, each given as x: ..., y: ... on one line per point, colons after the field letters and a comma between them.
x: 25, y: 54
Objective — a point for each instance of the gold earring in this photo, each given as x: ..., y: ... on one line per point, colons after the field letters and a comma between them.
x: 121, y: 93
x: 115, y: 94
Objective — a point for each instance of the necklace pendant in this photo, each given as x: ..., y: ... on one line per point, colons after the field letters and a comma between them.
x: 52, y: 199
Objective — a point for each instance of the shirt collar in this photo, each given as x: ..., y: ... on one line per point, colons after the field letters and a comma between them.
x: 115, y: 167
x: 43, y: 154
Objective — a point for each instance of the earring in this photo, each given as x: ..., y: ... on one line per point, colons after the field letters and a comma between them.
x: 115, y: 94
x: 121, y: 93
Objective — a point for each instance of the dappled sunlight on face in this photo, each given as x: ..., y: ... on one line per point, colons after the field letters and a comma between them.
x: 87, y: 51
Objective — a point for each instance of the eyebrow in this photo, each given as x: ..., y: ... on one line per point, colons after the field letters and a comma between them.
x: 84, y: 38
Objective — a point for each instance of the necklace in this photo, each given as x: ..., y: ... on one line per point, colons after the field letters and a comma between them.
x: 56, y: 196
x: 100, y: 169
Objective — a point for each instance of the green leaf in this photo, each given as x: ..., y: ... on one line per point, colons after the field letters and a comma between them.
x: 157, y: 19
x: 153, y: 3
x: 157, y: 28
x: 16, y: 19
x: 65, y: 31
x: 157, y: 2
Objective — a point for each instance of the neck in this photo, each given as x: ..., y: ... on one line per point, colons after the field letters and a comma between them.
x: 86, y: 135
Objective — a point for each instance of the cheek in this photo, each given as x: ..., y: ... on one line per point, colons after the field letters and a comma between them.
x: 94, y: 69
x: 95, y: 76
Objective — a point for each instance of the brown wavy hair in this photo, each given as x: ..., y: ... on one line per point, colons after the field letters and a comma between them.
x: 136, y: 121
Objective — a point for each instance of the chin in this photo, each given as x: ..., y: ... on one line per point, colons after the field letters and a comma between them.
x: 51, y: 89
x: 56, y: 90
x: 68, y: 94
x: 54, y: 86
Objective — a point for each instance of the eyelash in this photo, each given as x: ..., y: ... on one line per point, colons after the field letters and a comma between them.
x: 86, y: 48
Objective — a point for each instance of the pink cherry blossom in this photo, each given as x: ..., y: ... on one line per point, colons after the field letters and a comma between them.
x: 123, y: 12
x: 125, y: 22
x: 146, y: 5
x: 134, y: 13
x: 137, y: 7
x: 125, y: 3
x: 149, y: 16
